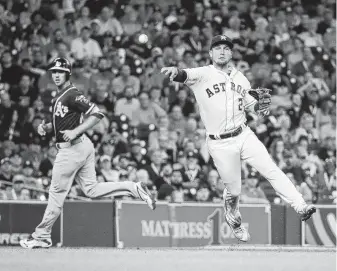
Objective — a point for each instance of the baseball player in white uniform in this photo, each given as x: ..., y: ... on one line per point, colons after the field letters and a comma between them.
x: 221, y: 92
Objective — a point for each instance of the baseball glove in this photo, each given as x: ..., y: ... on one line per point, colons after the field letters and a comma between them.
x: 263, y: 100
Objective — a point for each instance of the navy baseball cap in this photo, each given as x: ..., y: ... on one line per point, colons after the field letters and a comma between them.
x: 221, y: 39
x: 252, y: 174
x: 28, y: 164
x: 192, y: 154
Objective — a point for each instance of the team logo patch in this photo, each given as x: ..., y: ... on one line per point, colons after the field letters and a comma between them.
x: 58, y: 64
x: 61, y: 110
x: 82, y: 99
x: 223, y: 38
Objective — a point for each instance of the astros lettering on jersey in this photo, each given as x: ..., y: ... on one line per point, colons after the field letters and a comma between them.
x: 222, y: 98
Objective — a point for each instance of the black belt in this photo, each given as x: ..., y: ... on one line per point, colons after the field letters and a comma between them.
x: 63, y: 145
x: 228, y: 135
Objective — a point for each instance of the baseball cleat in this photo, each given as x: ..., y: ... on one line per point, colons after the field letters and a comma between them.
x: 31, y: 243
x: 145, y: 195
x: 307, y: 212
x: 238, y: 230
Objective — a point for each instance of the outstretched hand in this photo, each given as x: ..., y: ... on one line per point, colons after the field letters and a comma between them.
x: 172, y: 72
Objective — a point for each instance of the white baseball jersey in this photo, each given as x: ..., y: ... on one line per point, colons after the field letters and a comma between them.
x: 221, y: 98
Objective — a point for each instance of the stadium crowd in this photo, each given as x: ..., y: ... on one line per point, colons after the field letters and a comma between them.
x: 152, y: 131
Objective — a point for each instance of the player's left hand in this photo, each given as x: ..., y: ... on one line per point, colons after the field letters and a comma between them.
x: 263, y: 97
x: 69, y: 135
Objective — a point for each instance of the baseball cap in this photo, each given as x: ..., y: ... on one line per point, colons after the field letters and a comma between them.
x: 105, y: 158
x: 124, y: 155
x: 192, y: 154
x: 181, y: 11
x: 95, y: 21
x: 4, y: 160
x: 18, y: 179
x: 28, y: 164
x: 135, y: 142
x: 221, y: 39
x: 252, y: 174
x: 181, y: 154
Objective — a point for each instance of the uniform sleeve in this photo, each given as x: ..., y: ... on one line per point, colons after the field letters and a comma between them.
x: 248, y: 99
x: 80, y: 103
x: 194, y: 76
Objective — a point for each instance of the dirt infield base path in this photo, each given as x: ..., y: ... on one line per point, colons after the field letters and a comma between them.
x: 233, y: 258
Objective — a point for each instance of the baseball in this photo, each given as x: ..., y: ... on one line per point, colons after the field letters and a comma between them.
x: 143, y: 38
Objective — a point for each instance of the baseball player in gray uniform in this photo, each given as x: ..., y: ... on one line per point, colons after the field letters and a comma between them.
x: 224, y: 95
x: 76, y: 154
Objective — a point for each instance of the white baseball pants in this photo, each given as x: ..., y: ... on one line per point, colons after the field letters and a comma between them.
x: 76, y: 162
x: 228, y: 154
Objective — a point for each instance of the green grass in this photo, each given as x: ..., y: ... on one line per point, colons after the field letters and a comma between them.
x: 233, y: 258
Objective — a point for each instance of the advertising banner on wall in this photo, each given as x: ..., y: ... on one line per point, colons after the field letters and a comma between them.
x: 19, y: 219
x: 321, y: 228
x: 88, y: 224
x: 187, y: 225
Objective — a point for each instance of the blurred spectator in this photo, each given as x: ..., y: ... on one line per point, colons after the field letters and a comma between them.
x: 281, y: 90
x: 23, y: 96
x: 233, y: 32
x: 79, y: 80
x: 323, y: 117
x: 5, y: 170
x: 59, y: 22
x: 194, y: 40
x: 18, y: 192
x: 106, y: 173
x: 216, y: 186
x: 328, y: 192
x: 128, y: 104
x: 262, y: 69
x: 277, y: 152
x: 176, y: 183
x: 302, y: 187
x: 102, y: 80
x: 294, y: 111
x: 305, y: 65
x: 251, y: 192
x: 152, y: 78
x: 125, y: 79
x: 306, y: 128
x: 83, y: 19
x: 175, y: 52
x: 9, y: 68
x: 137, y: 156
x: 84, y: 46
x: 130, y: 23
x: 177, y: 119
x: 155, y: 167
x: 183, y: 102
x: 109, y: 23
x: 95, y: 27
x: 147, y: 113
x: 296, y: 55
x: 46, y: 165
x: 311, y: 38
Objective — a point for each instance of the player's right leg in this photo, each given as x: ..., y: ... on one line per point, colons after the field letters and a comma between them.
x: 86, y: 177
x: 64, y: 171
x: 226, y: 157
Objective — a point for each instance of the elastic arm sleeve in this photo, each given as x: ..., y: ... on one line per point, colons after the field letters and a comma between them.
x: 181, y: 76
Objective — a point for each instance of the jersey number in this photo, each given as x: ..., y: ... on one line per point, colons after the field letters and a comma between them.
x: 240, y: 104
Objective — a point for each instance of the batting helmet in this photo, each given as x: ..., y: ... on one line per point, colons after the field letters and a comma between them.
x: 60, y: 64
